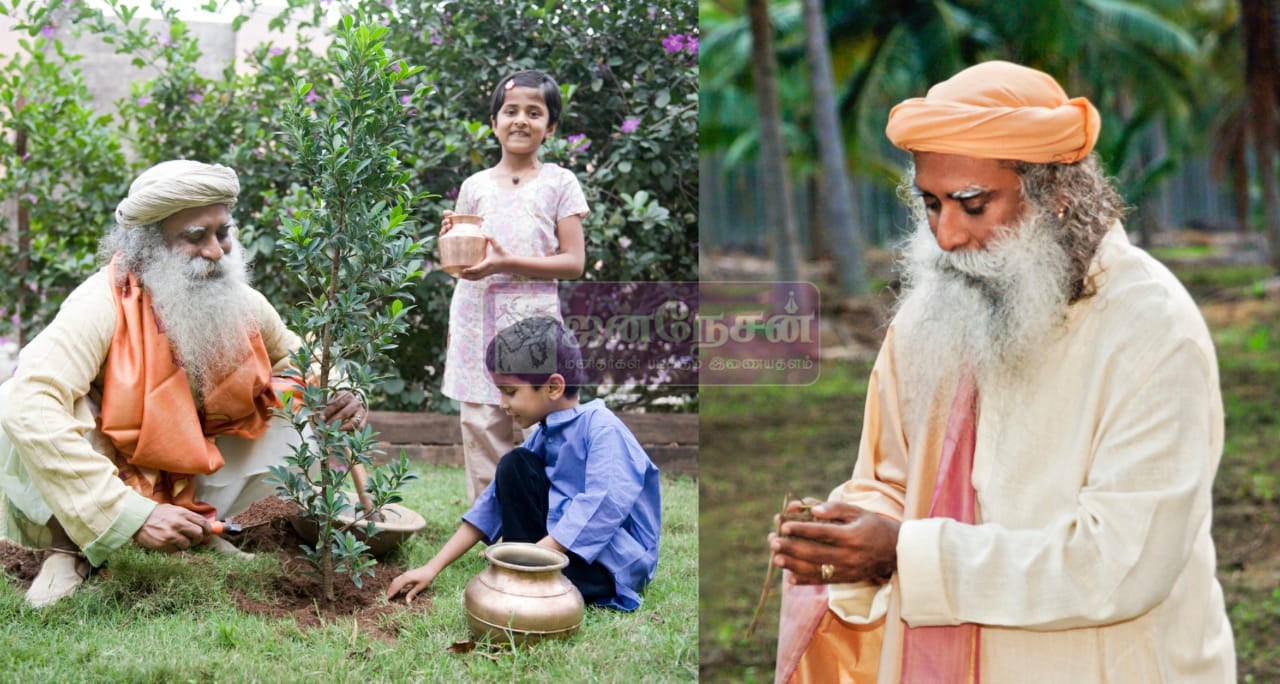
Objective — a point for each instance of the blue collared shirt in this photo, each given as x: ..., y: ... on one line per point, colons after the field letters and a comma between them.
x: 604, y: 504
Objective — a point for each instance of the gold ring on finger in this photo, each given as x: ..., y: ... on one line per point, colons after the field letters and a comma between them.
x: 827, y: 570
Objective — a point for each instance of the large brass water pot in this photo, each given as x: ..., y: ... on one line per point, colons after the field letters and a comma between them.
x: 522, y: 595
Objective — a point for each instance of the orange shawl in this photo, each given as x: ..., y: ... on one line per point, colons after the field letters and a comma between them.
x: 149, y: 414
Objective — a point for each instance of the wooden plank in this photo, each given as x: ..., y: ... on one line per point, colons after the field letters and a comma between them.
x: 672, y: 460
x: 422, y: 453
x: 435, y: 428
x: 675, y: 460
x: 416, y: 427
x: 662, y: 428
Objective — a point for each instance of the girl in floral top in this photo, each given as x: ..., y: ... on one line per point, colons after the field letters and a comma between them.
x: 533, y: 221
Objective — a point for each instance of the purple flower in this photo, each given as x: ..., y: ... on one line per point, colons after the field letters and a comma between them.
x: 406, y: 100
x: 196, y: 97
x: 47, y: 30
x: 673, y: 43
x: 630, y: 124
x: 691, y: 44
x: 395, y: 66
x: 624, y: 242
x: 275, y: 50
x: 312, y: 96
x: 578, y: 142
x: 451, y: 194
x: 25, y: 157
x: 143, y: 101
x: 435, y: 38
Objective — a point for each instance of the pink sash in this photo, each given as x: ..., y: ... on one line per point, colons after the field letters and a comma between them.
x: 803, y: 606
x: 949, y: 653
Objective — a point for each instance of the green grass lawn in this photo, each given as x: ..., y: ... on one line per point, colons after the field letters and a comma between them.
x: 758, y: 443
x: 157, y: 618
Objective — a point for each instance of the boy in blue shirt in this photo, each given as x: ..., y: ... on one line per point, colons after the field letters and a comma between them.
x: 581, y: 484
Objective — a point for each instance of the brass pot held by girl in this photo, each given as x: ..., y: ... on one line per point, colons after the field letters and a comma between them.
x: 462, y: 247
x: 522, y: 596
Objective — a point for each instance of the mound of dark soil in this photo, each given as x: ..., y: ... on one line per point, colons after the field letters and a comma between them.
x: 295, y: 592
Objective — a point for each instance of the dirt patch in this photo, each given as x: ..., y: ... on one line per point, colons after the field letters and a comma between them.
x: 265, y: 511
x: 294, y: 593
x: 21, y: 564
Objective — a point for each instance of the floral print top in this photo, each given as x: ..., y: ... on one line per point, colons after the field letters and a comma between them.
x: 522, y: 218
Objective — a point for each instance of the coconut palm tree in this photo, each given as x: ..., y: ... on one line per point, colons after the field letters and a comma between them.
x: 848, y: 242
x: 773, y: 160
x: 1262, y: 74
x: 1135, y: 60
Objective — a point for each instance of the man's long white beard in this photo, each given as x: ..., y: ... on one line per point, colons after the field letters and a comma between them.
x: 203, y: 308
x: 991, y: 310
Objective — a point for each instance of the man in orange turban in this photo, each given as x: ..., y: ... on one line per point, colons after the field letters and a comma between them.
x: 143, y: 410
x: 1031, y: 498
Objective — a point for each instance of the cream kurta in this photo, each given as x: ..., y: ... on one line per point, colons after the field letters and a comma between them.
x: 1092, y: 560
x: 46, y: 421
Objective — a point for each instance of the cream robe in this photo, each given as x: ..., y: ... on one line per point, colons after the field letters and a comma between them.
x: 48, y: 464
x: 1092, y: 560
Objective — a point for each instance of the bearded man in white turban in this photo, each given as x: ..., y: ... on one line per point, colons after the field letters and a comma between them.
x: 143, y: 411
x: 1031, y: 500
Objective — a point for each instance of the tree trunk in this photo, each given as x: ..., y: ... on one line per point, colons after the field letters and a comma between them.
x: 773, y: 163
x: 24, y: 243
x: 847, y: 244
x: 1262, y: 77
x: 1240, y: 188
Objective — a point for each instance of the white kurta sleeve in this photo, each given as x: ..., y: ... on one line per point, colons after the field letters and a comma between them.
x: 878, y: 483
x: 46, y: 421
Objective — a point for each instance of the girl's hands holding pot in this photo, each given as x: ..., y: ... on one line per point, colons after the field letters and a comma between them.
x: 494, y: 261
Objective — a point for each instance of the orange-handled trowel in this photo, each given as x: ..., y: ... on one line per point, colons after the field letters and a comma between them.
x: 224, y: 527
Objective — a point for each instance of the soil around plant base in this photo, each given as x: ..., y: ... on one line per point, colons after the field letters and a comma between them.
x: 294, y: 592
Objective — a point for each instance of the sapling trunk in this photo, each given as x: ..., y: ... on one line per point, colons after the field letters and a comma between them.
x: 350, y: 241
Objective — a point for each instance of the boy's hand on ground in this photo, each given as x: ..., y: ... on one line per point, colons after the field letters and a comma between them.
x: 411, y: 582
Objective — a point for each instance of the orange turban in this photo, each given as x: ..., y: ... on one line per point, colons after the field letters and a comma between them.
x: 997, y: 110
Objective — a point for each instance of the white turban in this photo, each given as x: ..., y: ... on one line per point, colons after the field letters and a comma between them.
x: 169, y: 187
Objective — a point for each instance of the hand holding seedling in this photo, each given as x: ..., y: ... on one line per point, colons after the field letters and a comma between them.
x: 791, y: 510
x: 842, y: 543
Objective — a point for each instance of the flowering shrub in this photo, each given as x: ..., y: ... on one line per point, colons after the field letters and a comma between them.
x: 64, y: 170
x: 628, y: 76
